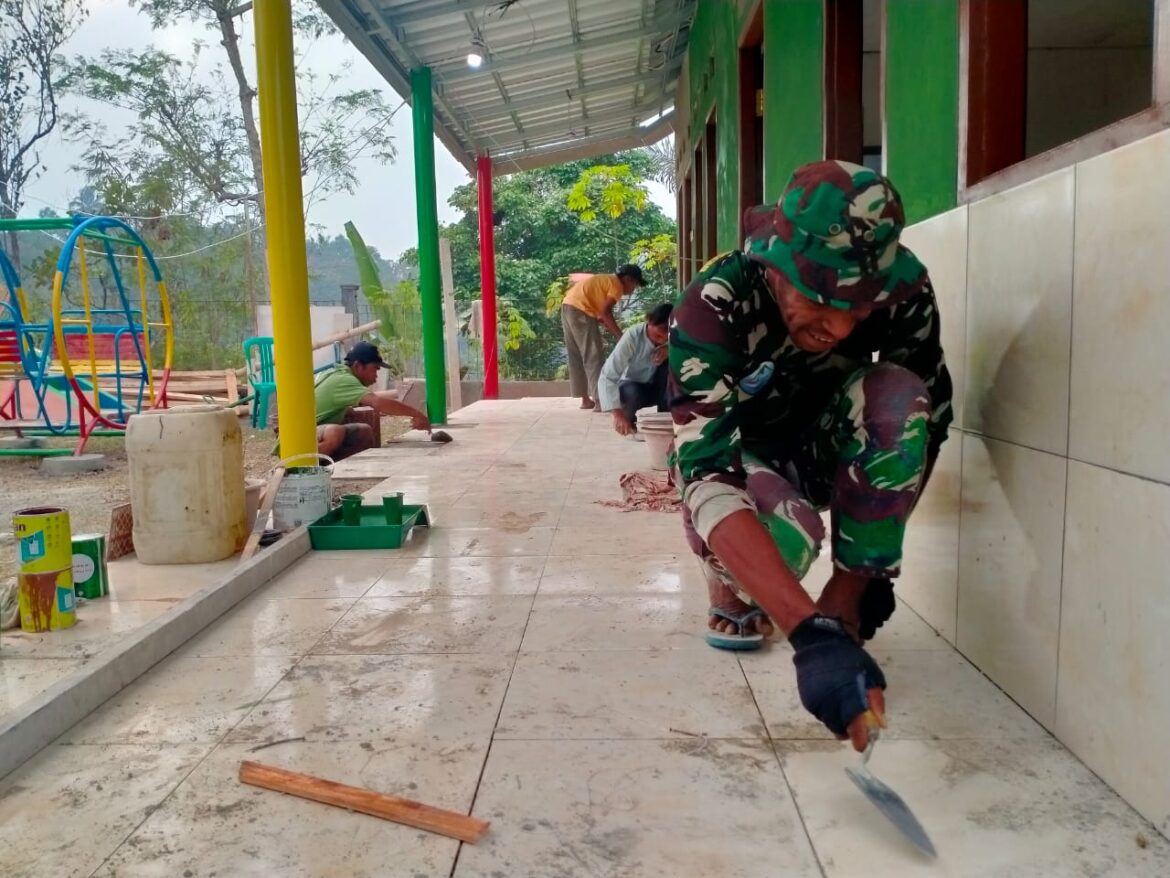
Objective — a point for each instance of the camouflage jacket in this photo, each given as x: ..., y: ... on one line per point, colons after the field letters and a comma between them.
x: 739, y: 383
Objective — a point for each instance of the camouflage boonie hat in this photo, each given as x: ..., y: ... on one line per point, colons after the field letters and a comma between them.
x: 834, y: 235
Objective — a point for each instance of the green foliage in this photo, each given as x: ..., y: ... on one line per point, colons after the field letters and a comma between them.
x: 610, y: 189
x: 399, y: 308
x: 517, y: 329
x: 540, y: 239
x: 554, y: 296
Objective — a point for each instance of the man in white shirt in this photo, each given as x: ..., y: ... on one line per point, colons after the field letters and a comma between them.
x: 634, y: 376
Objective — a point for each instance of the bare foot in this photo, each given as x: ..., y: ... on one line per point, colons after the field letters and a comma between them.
x: 587, y: 403
x: 723, y: 597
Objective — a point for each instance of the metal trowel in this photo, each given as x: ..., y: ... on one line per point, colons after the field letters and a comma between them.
x: 885, y: 799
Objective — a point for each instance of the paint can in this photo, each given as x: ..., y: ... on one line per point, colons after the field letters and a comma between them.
x: 305, y: 494
x: 47, y: 601
x: 90, y: 576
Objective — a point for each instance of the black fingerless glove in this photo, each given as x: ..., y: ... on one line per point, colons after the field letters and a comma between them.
x: 876, y: 606
x: 833, y: 673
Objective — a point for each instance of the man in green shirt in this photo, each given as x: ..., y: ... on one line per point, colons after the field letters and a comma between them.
x: 347, y: 385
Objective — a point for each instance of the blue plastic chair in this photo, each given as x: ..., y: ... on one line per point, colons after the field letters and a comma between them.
x: 261, y: 368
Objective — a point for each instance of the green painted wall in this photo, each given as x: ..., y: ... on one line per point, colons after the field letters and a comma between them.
x: 793, y: 89
x: 714, y: 71
x: 922, y: 100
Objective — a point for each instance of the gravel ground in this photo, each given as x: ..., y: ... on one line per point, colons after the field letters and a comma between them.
x: 90, y: 496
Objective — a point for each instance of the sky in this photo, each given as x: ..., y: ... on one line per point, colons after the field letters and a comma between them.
x: 383, y: 208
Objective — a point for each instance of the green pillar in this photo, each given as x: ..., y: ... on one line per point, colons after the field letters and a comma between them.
x: 922, y: 104
x: 794, y: 64
x: 429, y: 286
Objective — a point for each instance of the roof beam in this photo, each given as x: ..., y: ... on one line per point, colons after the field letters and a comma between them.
x: 498, y: 126
x: 621, y: 34
x: 389, y: 33
x: 558, y: 98
x: 427, y: 9
x: 544, y: 135
x: 523, y: 160
x: 353, y: 23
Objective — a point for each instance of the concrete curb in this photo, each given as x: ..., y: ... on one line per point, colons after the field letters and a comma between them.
x: 40, y: 720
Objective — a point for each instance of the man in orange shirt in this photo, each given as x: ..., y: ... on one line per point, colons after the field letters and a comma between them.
x: 589, y: 305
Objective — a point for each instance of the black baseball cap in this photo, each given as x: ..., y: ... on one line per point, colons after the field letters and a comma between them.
x: 364, y: 352
x: 634, y: 271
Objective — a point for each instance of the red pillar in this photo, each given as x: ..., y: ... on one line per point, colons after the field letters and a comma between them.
x: 487, y: 279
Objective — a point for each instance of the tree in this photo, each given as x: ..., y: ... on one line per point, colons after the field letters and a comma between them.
x: 31, y: 34
x: 539, y: 239
x: 204, y: 128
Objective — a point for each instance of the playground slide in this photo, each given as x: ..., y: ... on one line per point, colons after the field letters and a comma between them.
x: 109, y: 402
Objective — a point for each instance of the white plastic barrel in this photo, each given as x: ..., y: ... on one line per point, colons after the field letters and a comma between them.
x: 186, y: 485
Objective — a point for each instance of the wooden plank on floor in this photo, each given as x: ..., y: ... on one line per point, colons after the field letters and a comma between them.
x: 393, y: 808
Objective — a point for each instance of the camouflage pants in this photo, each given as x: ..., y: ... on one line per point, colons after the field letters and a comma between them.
x: 864, y: 461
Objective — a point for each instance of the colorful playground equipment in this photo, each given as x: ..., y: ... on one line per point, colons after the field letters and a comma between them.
x: 92, y: 364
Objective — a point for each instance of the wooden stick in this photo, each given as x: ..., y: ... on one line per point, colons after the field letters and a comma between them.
x: 347, y: 334
x: 393, y: 808
x: 262, y: 516
x: 233, y: 387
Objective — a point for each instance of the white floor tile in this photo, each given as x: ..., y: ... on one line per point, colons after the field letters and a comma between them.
x: 636, y: 809
x: 188, y: 699
x: 65, y: 810
x: 214, y: 825
x: 628, y: 695
x: 382, y: 699
x: 992, y: 809
x: 388, y: 626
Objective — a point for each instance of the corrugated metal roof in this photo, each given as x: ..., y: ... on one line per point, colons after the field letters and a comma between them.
x: 560, y: 79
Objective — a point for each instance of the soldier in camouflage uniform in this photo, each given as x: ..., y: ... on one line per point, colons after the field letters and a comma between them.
x: 782, y: 409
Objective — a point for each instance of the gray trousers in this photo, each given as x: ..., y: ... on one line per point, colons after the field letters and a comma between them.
x: 584, y: 349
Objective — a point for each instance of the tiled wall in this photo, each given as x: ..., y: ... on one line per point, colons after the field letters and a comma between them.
x: 1042, y: 546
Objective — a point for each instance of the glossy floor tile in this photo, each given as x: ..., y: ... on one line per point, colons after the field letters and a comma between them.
x: 289, y: 627
x: 66, y: 809
x: 187, y: 699
x: 388, y: 626
x: 214, y: 825
x: 992, y: 808
x: 637, y: 808
x: 382, y: 699
x: 550, y: 675
x: 624, y: 694
x: 21, y: 679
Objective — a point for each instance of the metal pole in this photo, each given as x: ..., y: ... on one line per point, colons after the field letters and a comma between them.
x: 487, y: 278
x: 284, y: 213
x: 429, y: 287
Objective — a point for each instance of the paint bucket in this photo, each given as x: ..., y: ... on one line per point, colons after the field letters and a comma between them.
x: 305, y: 492
x: 91, y: 579
x: 657, y: 428
x: 47, y: 601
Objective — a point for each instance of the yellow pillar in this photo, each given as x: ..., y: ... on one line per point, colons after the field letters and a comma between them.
x: 287, y: 268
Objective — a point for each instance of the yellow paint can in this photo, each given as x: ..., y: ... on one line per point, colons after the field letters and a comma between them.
x: 47, y: 601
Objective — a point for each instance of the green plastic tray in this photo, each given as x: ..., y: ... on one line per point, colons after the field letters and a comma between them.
x: 331, y: 532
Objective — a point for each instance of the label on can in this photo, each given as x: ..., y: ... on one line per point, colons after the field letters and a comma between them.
x: 90, y: 579
x: 83, y: 568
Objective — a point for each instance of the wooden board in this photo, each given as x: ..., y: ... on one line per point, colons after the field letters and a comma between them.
x: 261, y: 521
x: 405, y: 811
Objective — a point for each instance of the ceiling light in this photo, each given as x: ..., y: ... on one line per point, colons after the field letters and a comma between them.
x: 474, y: 59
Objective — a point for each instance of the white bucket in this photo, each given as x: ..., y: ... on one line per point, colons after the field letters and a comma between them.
x: 304, y: 494
x: 658, y: 443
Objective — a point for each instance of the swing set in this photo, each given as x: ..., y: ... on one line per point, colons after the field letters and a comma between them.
x: 92, y: 364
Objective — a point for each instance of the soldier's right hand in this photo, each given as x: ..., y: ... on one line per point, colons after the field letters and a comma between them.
x: 837, y: 679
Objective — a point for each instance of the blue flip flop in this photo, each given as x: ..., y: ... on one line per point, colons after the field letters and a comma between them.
x: 721, y: 640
